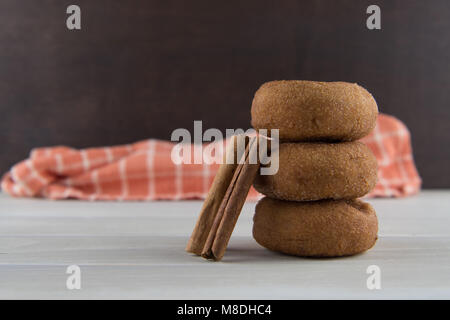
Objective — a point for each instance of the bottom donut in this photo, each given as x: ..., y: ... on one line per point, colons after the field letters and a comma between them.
x: 326, y: 228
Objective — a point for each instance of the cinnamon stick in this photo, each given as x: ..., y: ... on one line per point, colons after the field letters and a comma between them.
x: 213, y: 201
x: 231, y: 206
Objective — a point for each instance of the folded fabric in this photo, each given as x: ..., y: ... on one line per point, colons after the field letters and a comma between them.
x: 145, y: 171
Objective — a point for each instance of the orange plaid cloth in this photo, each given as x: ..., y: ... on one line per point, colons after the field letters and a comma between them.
x: 144, y: 170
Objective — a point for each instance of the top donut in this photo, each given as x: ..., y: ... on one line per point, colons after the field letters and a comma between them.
x: 314, y: 111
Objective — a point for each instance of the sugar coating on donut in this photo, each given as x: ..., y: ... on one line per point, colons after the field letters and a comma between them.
x: 314, y: 171
x: 326, y: 228
x: 314, y: 111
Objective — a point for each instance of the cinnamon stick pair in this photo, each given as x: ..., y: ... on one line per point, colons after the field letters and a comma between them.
x: 224, y: 203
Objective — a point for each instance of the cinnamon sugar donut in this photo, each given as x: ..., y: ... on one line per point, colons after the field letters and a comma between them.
x: 314, y: 111
x: 313, y: 171
x: 326, y: 228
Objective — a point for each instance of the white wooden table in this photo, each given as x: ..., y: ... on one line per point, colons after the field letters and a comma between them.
x: 136, y: 250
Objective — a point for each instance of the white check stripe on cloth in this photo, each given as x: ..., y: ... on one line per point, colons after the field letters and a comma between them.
x: 384, y: 160
x: 151, y: 170
x: 123, y: 179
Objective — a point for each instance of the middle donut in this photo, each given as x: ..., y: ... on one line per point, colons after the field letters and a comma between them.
x: 314, y: 171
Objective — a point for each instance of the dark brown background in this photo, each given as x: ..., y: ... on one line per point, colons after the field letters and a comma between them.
x: 140, y: 69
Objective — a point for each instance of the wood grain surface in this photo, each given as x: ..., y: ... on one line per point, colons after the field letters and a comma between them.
x: 135, y: 250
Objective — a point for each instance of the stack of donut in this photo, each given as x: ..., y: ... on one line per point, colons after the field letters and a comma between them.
x: 311, y: 206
